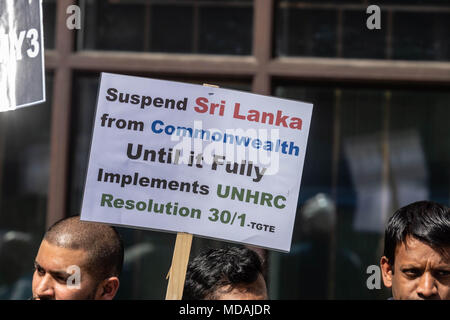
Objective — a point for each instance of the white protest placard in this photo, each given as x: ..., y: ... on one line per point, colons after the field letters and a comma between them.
x: 212, y: 162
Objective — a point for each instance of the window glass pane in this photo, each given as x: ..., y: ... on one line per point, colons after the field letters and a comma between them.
x: 305, y: 32
x: 226, y: 30
x: 49, y: 20
x: 24, y: 174
x: 409, y: 30
x: 148, y: 254
x: 425, y: 125
x: 180, y: 26
x: 370, y: 151
x: 421, y: 36
x: 360, y: 42
x: 113, y: 26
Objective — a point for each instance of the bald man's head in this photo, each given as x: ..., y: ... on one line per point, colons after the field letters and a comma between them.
x: 101, y: 242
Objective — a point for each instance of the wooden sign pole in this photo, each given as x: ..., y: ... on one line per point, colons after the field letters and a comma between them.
x: 180, y: 259
x: 177, y: 272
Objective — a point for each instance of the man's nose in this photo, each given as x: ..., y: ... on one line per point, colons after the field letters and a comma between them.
x: 45, y: 289
x: 427, y: 286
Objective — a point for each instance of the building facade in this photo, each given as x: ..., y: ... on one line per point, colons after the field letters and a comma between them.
x: 379, y: 135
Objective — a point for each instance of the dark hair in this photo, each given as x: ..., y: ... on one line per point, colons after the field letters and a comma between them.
x: 102, y: 243
x: 216, y: 268
x: 426, y: 221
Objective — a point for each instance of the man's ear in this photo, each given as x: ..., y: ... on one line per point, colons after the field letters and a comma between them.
x: 386, y: 270
x: 108, y: 288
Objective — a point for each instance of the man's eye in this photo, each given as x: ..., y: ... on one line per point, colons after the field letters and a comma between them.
x: 411, y: 272
x: 39, y: 270
x: 61, y: 279
x: 443, y: 273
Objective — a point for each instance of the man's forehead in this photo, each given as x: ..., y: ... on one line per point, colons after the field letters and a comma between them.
x: 414, y: 250
x: 58, y: 258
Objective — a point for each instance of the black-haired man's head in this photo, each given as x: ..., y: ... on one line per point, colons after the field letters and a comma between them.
x: 224, y: 274
x: 93, y: 250
x: 416, y: 260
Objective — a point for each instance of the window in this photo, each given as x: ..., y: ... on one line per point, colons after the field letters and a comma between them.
x: 410, y: 30
x: 213, y: 27
x: 371, y: 150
